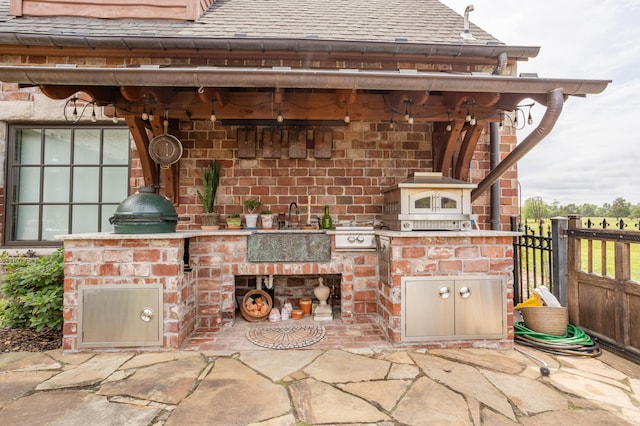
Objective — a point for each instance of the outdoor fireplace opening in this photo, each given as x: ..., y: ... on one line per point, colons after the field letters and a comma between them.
x: 290, y: 289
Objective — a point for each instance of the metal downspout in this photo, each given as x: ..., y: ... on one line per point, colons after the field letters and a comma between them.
x: 555, y: 101
x: 494, y: 146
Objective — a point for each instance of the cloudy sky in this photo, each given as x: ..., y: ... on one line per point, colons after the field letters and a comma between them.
x: 593, y: 153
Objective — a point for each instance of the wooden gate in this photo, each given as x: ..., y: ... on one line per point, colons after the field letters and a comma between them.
x: 602, y: 297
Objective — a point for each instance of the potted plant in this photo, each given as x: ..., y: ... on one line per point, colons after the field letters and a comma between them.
x: 252, y: 217
x: 266, y: 218
x: 234, y: 221
x: 210, y: 183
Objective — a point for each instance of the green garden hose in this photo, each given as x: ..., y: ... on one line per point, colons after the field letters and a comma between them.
x: 574, y: 342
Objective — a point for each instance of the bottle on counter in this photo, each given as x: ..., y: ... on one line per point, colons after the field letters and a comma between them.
x: 326, y: 222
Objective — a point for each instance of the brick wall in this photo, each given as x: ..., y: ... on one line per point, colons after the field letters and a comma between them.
x: 131, y: 261
x: 204, y: 298
x: 366, y: 157
x: 441, y: 256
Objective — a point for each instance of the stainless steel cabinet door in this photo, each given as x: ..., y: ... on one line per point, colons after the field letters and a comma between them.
x: 428, y: 307
x: 479, y: 306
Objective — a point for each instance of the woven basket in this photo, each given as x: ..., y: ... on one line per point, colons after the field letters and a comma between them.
x: 254, y: 295
x: 546, y: 319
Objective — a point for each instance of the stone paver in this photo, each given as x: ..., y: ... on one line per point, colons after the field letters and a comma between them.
x: 466, y: 380
x: 385, y: 393
x: 530, y: 396
x: 14, y: 384
x: 94, y: 370
x: 166, y: 382
x: 357, y: 386
x: 593, y: 390
x: 335, y: 366
x: 317, y: 402
x: 429, y: 403
x: 74, y: 407
x: 27, y: 361
x: 232, y: 394
x: 277, y: 364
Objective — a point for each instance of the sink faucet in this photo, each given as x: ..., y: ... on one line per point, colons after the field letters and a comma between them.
x: 297, y: 212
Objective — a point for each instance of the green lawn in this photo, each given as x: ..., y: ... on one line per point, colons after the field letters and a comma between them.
x: 597, y: 249
x: 610, y: 258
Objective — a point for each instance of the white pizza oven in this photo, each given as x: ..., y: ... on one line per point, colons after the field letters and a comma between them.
x: 428, y: 201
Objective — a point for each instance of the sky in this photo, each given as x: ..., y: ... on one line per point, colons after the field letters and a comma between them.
x: 592, y: 154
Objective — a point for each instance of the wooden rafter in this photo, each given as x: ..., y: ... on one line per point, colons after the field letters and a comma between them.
x: 467, y: 149
x: 444, y: 161
x: 141, y: 139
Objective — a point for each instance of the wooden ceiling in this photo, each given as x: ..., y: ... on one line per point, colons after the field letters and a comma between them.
x: 454, y: 142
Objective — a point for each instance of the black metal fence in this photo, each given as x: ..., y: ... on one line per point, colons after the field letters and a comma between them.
x: 532, y: 259
x: 539, y: 254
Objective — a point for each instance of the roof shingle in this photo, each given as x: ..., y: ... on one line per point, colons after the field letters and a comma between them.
x: 384, y: 21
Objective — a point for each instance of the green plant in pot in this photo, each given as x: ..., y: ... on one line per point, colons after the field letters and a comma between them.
x: 251, y: 217
x: 266, y: 219
x: 234, y: 221
x: 210, y: 183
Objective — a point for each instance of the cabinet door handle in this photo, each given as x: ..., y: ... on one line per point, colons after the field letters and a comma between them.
x: 465, y: 292
x: 444, y: 292
x: 146, y: 314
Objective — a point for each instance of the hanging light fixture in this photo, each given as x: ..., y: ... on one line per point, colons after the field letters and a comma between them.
x: 145, y: 114
x: 410, y: 120
x: 279, y: 118
x: 448, y: 121
x: 347, y: 118
x: 150, y: 114
x: 467, y: 118
x: 115, y: 115
x: 212, y: 117
x: 165, y: 123
x: 473, y: 121
x: 75, y: 109
x: 407, y: 115
x: 93, y: 112
x: 530, y: 118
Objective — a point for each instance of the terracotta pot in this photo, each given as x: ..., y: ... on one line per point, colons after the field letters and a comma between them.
x: 296, y: 314
x: 305, y: 306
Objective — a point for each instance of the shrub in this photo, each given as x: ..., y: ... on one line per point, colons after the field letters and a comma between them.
x: 33, y: 290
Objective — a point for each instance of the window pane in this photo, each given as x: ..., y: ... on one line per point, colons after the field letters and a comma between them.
x: 26, y: 223
x: 57, y: 146
x: 28, y: 146
x: 55, y: 221
x: 116, y: 146
x: 423, y: 203
x: 114, y: 184
x: 86, y: 185
x: 56, y: 185
x: 86, y: 146
x: 26, y: 184
x: 107, y: 212
x: 59, y: 182
x: 85, y: 219
x: 448, y: 203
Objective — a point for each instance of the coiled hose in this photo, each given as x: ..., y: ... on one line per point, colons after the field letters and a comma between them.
x: 574, y: 342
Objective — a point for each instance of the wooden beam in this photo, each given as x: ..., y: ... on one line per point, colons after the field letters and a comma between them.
x: 171, y: 177
x: 346, y: 96
x: 208, y: 94
x: 444, y: 160
x: 139, y: 134
x: 467, y: 149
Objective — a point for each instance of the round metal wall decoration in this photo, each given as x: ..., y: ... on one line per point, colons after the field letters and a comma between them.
x: 165, y: 149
